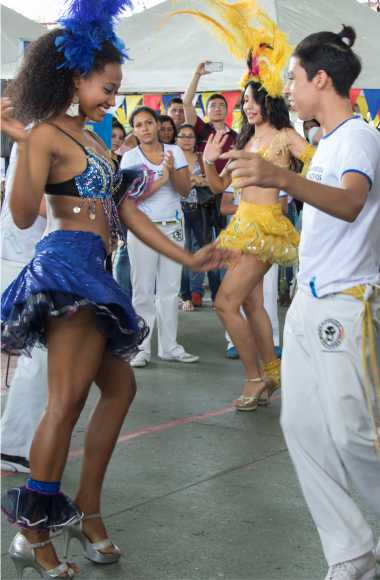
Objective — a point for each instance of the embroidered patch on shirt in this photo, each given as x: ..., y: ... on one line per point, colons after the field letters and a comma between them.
x: 331, y: 333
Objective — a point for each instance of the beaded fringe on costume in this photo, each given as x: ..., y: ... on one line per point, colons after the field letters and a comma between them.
x: 264, y: 231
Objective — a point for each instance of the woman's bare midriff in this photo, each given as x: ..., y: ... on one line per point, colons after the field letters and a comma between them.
x: 60, y: 216
x: 259, y: 195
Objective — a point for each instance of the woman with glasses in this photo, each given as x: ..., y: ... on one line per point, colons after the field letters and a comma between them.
x: 195, y: 222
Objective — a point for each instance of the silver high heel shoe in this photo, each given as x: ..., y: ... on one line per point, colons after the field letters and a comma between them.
x: 92, y: 551
x: 22, y: 554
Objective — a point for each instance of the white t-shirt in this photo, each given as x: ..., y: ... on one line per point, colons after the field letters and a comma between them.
x: 17, y: 245
x: 165, y: 203
x: 335, y: 254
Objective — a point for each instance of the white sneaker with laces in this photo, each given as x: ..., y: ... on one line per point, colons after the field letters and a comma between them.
x: 184, y: 357
x: 140, y: 360
x: 363, y: 568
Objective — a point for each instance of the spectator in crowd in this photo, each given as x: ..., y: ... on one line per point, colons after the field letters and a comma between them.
x: 176, y: 112
x: 196, y: 227
x: 27, y: 395
x: 312, y: 131
x: 121, y: 267
x: 216, y: 110
x: 167, y: 131
x: 155, y: 279
x: 118, y: 136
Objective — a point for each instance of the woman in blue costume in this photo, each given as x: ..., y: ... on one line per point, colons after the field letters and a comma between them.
x: 63, y: 298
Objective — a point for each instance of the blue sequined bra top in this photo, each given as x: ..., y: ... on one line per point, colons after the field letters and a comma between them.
x: 96, y: 181
x: 101, y: 181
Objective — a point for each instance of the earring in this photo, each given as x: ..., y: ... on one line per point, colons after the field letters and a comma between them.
x: 73, y: 110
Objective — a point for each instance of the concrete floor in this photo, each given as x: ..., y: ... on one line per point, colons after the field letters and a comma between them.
x: 195, y: 490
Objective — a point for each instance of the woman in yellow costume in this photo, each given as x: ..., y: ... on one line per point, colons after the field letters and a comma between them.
x: 259, y: 230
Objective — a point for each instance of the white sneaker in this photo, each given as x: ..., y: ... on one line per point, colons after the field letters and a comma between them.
x: 184, y: 357
x: 140, y: 360
x: 363, y: 568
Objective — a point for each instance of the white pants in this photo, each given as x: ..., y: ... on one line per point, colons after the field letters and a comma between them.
x: 270, y: 291
x: 156, y: 282
x: 325, y: 418
x: 27, y: 395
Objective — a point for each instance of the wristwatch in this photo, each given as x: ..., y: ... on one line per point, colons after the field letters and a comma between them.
x: 208, y: 162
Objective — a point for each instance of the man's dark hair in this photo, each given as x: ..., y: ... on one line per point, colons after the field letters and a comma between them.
x: 214, y: 97
x: 332, y: 53
x: 174, y: 101
x: 40, y: 90
x: 142, y: 109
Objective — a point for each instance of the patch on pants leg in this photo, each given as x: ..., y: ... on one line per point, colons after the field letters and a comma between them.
x: 331, y: 333
x: 177, y: 235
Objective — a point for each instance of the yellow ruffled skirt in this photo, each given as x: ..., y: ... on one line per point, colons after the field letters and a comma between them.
x: 264, y: 231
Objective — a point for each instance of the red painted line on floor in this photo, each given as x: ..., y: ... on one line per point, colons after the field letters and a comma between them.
x: 161, y: 427
x: 153, y: 429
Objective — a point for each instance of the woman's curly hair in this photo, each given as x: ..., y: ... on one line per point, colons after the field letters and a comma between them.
x: 42, y: 89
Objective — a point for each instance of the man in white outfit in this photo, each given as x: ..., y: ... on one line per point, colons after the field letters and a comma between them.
x: 27, y: 394
x: 330, y: 376
x: 156, y: 279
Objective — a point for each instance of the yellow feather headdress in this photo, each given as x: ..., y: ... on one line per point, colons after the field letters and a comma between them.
x: 266, y: 45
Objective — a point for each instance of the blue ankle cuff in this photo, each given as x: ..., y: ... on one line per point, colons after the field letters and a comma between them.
x: 48, y: 487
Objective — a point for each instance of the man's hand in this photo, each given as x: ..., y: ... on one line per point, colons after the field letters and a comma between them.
x: 200, y: 70
x: 250, y: 169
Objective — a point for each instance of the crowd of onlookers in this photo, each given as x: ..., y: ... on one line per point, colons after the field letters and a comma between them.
x: 192, y: 217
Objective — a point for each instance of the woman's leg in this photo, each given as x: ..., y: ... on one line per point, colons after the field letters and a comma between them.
x: 117, y: 385
x: 238, y: 283
x: 168, y: 283
x: 75, y: 350
x: 260, y: 323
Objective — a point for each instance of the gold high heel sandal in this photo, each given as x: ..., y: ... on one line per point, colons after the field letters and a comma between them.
x: 22, y: 554
x: 92, y: 551
x: 250, y: 402
x: 272, y: 372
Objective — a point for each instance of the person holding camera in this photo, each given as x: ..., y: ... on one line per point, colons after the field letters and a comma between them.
x: 216, y: 111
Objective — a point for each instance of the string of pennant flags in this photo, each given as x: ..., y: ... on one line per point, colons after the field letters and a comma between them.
x: 367, y: 101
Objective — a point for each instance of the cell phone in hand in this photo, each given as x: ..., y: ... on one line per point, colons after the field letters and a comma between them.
x: 213, y: 67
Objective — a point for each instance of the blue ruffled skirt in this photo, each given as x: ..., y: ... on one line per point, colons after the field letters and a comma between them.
x: 67, y: 273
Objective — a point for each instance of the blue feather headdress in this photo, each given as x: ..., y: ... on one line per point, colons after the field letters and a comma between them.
x: 88, y: 24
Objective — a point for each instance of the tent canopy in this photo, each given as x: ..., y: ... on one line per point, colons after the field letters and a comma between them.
x: 16, y: 30
x: 165, y: 53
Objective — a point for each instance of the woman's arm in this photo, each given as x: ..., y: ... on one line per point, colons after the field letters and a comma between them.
x: 188, y: 107
x: 300, y: 148
x: 142, y: 227
x: 227, y: 207
x: 181, y: 181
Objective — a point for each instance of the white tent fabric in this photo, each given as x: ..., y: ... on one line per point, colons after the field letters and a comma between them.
x: 15, y: 30
x: 165, y: 54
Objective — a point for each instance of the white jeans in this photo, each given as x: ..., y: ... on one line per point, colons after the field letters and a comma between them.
x: 270, y: 291
x: 27, y: 395
x: 156, y: 282
x: 325, y: 418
